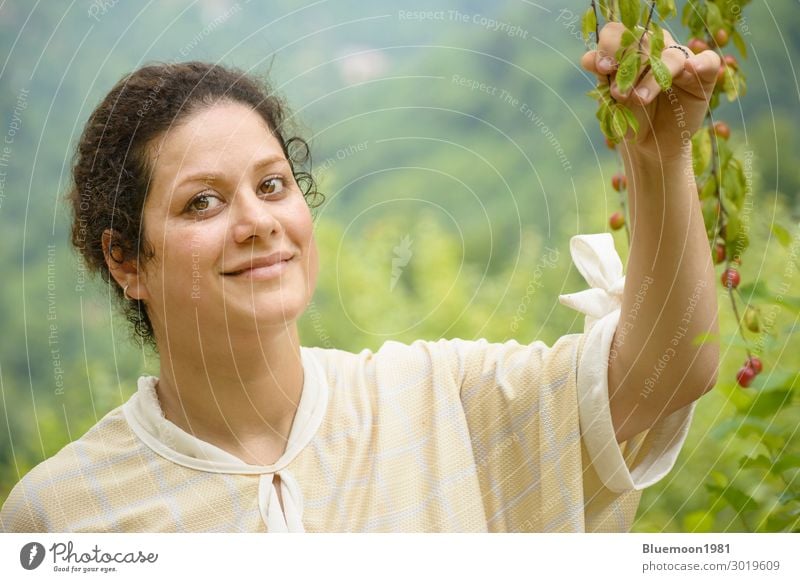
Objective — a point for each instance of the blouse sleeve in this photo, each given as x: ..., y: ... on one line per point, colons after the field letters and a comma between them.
x: 649, y: 456
x: 539, y: 418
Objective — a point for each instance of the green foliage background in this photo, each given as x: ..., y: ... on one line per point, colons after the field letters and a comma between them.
x: 483, y: 188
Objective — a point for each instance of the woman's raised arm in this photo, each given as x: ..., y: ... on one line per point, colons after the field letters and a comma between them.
x: 655, y: 366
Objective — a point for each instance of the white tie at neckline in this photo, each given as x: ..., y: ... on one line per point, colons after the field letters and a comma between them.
x: 288, y: 520
x: 598, y: 262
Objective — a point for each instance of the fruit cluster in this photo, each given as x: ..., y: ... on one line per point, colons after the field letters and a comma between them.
x: 752, y: 367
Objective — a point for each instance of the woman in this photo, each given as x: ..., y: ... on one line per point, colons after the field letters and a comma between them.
x: 189, y: 199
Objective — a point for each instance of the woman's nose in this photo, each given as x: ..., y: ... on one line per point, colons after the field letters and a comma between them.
x: 252, y: 216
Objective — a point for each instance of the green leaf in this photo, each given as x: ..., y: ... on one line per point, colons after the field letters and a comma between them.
x: 756, y: 290
x: 701, y: 151
x: 714, y: 101
x: 688, y: 10
x: 657, y: 42
x: 666, y: 9
x: 595, y: 94
x: 781, y: 381
x: 619, y: 123
x: 737, y: 245
x: 759, y: 462
x: 762, y: 431
x: 759, y: 290
x: 786, y: 462
x: 732, y: 84
x: 766, y: 404
x: 633, y: 123
x: 602, y: 93
x: 742, y: 83
x: 738, y: 499
x: 733, y: 226
x: 661, y: 73
x: 603, y: 110
x: 698, y: 522
x: 713, y: 17
x: 588, y: 23
x: 709, y: 188
x: 734, y: 496
x: 627, y: 71
x: 628, y: 38
x: 732, y: 9
x: 605, y: 122
x: 738, y: 42
x: 710, y: 215
x: 724, y: 152
x: 784, y: 521
x: 719, y: 479
x: 694, y: 13
x: 733, y: 185
x: 782, y: 235
x: 629, y: 12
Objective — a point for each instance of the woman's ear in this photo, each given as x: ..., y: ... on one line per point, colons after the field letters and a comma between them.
x: 125, y: 272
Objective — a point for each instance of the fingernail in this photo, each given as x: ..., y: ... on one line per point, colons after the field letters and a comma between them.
x: 643, y: 93
x: 606, y: 63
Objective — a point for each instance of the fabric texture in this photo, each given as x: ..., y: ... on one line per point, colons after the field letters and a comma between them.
x: 433, y: 436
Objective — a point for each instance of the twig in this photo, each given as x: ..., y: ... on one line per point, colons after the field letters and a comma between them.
x: 738, y: 320
x: 647, y: 24
x: 715, y: 175
x: 646, y: 69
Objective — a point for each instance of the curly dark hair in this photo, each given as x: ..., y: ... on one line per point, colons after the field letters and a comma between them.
x: 112, y: 168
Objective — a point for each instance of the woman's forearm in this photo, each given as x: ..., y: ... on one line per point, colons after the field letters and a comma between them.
x: 670, y: 299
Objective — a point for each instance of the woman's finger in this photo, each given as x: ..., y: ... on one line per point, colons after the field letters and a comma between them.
x: 588, y: 62
x: 608, y: 43
x: 700, y: 74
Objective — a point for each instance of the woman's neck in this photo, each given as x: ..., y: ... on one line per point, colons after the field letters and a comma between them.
x: 238, y: 393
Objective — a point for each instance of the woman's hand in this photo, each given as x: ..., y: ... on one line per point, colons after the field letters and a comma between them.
x: 667, y: 119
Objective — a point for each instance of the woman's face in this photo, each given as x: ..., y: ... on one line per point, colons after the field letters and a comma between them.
x: 221, y: 203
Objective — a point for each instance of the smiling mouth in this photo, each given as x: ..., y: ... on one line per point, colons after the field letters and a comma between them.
x: 263, y: 272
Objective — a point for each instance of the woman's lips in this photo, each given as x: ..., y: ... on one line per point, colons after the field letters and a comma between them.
x: 263, y: 273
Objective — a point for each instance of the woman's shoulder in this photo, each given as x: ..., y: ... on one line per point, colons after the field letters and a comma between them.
x: 60, y: 481
x: 391, y: 353
x: 396, y: 363
x: 390, y: 347
x: 441, y: 350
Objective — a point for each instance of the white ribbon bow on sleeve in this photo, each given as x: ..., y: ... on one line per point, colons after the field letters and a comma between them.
x: 598, y: 262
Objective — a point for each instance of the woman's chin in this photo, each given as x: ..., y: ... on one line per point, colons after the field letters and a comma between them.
x: 270, y: 313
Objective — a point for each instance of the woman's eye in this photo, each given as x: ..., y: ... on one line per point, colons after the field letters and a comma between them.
x: 272, y: 185
x: 202, y: 203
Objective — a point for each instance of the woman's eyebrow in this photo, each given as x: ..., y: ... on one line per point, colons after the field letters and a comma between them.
x: 211, y: 177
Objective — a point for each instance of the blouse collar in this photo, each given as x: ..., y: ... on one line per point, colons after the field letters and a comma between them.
x: 147, y: 420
